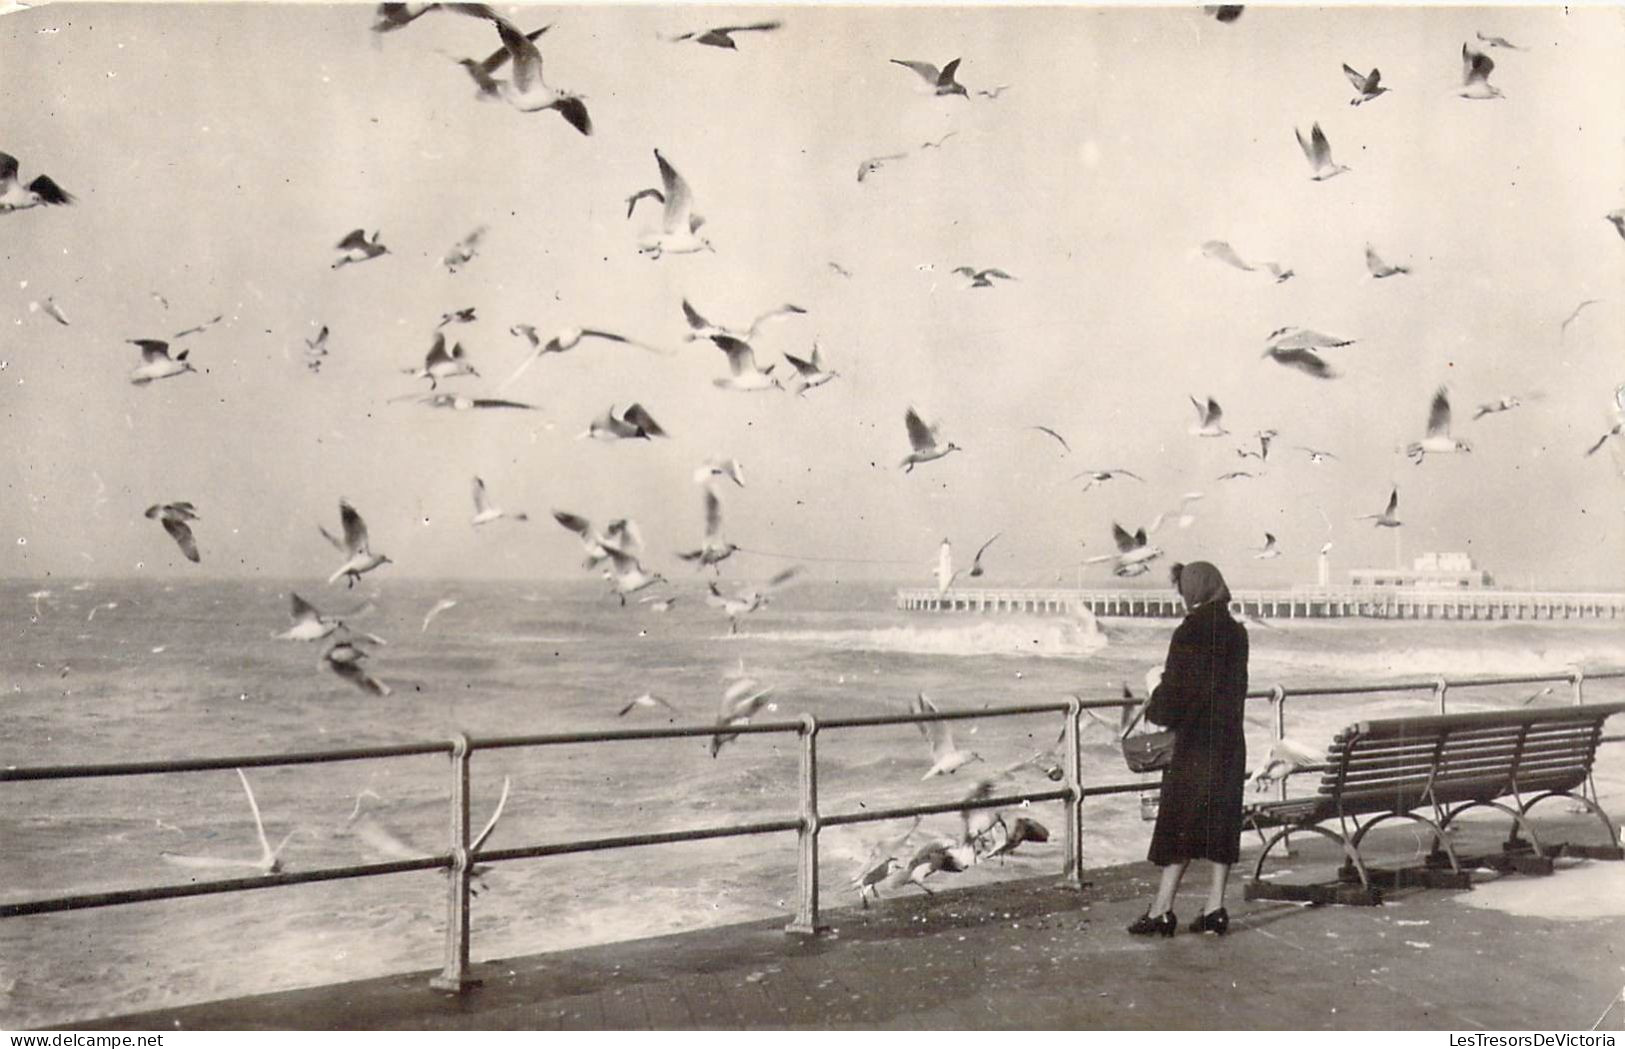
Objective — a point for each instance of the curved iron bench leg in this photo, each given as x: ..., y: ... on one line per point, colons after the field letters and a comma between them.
x: 1438, y: 833
x: 1519, y: 823
x: 1591, y: 806
x: 1352, y: 852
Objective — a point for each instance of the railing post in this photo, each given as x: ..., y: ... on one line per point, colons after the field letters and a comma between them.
x: 454, y: 977
x: 1577, y: 679
x: 1072, y: 874
x: 1440, y: 687
x: 806, y: 920
x: 1278, y: 710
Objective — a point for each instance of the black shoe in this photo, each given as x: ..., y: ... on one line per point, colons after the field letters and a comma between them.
x: 1216, y: 922
x: 1162, y: 925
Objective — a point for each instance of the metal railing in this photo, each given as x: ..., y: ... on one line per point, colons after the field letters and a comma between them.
x: 459, y: 861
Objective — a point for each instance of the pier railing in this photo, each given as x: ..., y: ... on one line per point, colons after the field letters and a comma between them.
x: 1380, y: 602
x: 807, y: 823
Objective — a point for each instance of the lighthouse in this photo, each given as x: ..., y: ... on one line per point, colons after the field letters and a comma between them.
x: 1323, y: 573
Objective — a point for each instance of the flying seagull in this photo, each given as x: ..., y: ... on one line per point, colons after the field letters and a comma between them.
x: 465, y: 315
x: 1367, y: 84
x: 746, y: 375
x: 1476, y: 68
x: 173, y: 516
x: 358, y: 248
x: 874, y: 164
x: 632, y: 424
x: 748, y: 599
x: 1263, y: 453
x: 720, y: 36
x: 463, y: 252
x: 925, y: 442
x: 51, y: 310
x: 198, y: 328
x: 1209, y: 419
x: 1570, y: 319
x: 486, y: 511
x: 1438, y: 439
x: 1380, y: 269
x: 315, y: 350
x: 1134, y: 553
x: 390, y: 17
x: 700, y: 328
x: 526, y: 91
x: 1306, y: 361
x: 359, y: 557
x: 621, y: 533
x: 269, y: 861
x: 627, y: 575
x: 443, y: 605
x: 743, y: 699
x: 310, y: 625
x: 1497, y: 41
x: 457, y: 402
x: 14, y: 196
x: 679, y: 225
x: 1295, y: 338
x: 1102, y: 476
x: 714, y: 550
x: 385, y: 842
x: 937, y: 82
x: 982, y: 278
x: 1617, y: 217
x: 1269, y: 550
x: 810, y: 373
x: 1052, y: 433
x: 440, y: 363
x: 344, y: 659
x: 481, y: 73
x: 564, y: 341
x: 1505, y: 404
x: 946, y: 757
x: 976, y: 562
x: 156, y: 362
x: 1223, y: 252
x: 1386, y: 519
x: 1315, y: 455
x: 712, y: 469
x: 1319, y: 154
x: 650, y: 700
x: 1224, y: 12
x: 882, y: 860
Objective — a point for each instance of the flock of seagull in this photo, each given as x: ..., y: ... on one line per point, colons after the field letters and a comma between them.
x: 513, y: 74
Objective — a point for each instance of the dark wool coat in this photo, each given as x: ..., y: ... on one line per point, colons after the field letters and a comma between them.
x: 1203, y: 690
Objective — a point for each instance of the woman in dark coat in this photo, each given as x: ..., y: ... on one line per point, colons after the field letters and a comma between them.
x: 1200, y: 697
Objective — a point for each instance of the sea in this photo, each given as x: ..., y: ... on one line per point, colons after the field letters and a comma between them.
x: 109, y: 670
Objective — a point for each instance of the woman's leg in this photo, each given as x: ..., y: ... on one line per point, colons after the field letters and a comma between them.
x: 1215, y: 892
x: 1168, y: 887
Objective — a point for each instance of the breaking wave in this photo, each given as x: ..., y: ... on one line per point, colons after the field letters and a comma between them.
x: 1076, y: 635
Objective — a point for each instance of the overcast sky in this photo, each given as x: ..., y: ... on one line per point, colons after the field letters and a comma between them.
x: 218, y: 153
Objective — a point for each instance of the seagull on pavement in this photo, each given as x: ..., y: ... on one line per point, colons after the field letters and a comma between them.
x: 924, y: 440
x: 359, y: 556
x: 1319, y: 154
x: 882, y: 860
x: 173, y: 516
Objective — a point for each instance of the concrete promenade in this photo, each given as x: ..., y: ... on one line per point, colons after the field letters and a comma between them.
x: 1026, y: 955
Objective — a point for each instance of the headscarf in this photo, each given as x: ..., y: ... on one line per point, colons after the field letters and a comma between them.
x: 1199, y: 584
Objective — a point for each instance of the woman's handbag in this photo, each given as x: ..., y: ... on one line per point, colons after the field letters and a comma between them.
x: 1149, y: 751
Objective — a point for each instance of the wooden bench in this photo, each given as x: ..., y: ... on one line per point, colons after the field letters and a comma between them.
x: 1430, y: 770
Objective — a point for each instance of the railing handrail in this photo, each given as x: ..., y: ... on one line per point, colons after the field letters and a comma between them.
x: 460, y: 859
x: 1315, y: 591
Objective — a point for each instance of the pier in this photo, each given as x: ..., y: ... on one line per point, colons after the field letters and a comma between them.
x: 1295, y: 603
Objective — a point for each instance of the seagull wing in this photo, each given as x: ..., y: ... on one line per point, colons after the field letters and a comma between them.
x: 1120, y: 536
x: 754, y: 27
x: 924, y: 69
x: 946, y: 77
x: 303, y: 611
x: 802, y: 367
x: 983, y: 548
x: 740, y: 356
x: 1356, y: 78
x: 355, y: 529
x: 437, y: 353
x: 695, y: 321
x: 356, y: 239
x: 152, y: 350
x: 919, y: 434
x: 1439, y: 414
x: 1221, y: 250
x: 777, y: 311
x: 493, y: 402
x: 679, y: 198
x: 182, y: 535
x: 1322, y: 148
x: 259, y: 826
x: 481, y: 502
x: 8, y: 167
x: 1393, y: 503
x: 574, y: 111
x: 639, y: 416
x: 713, y: 515
x: 574, y: 522
x: 527, y: 58
x: 1052, y: 433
